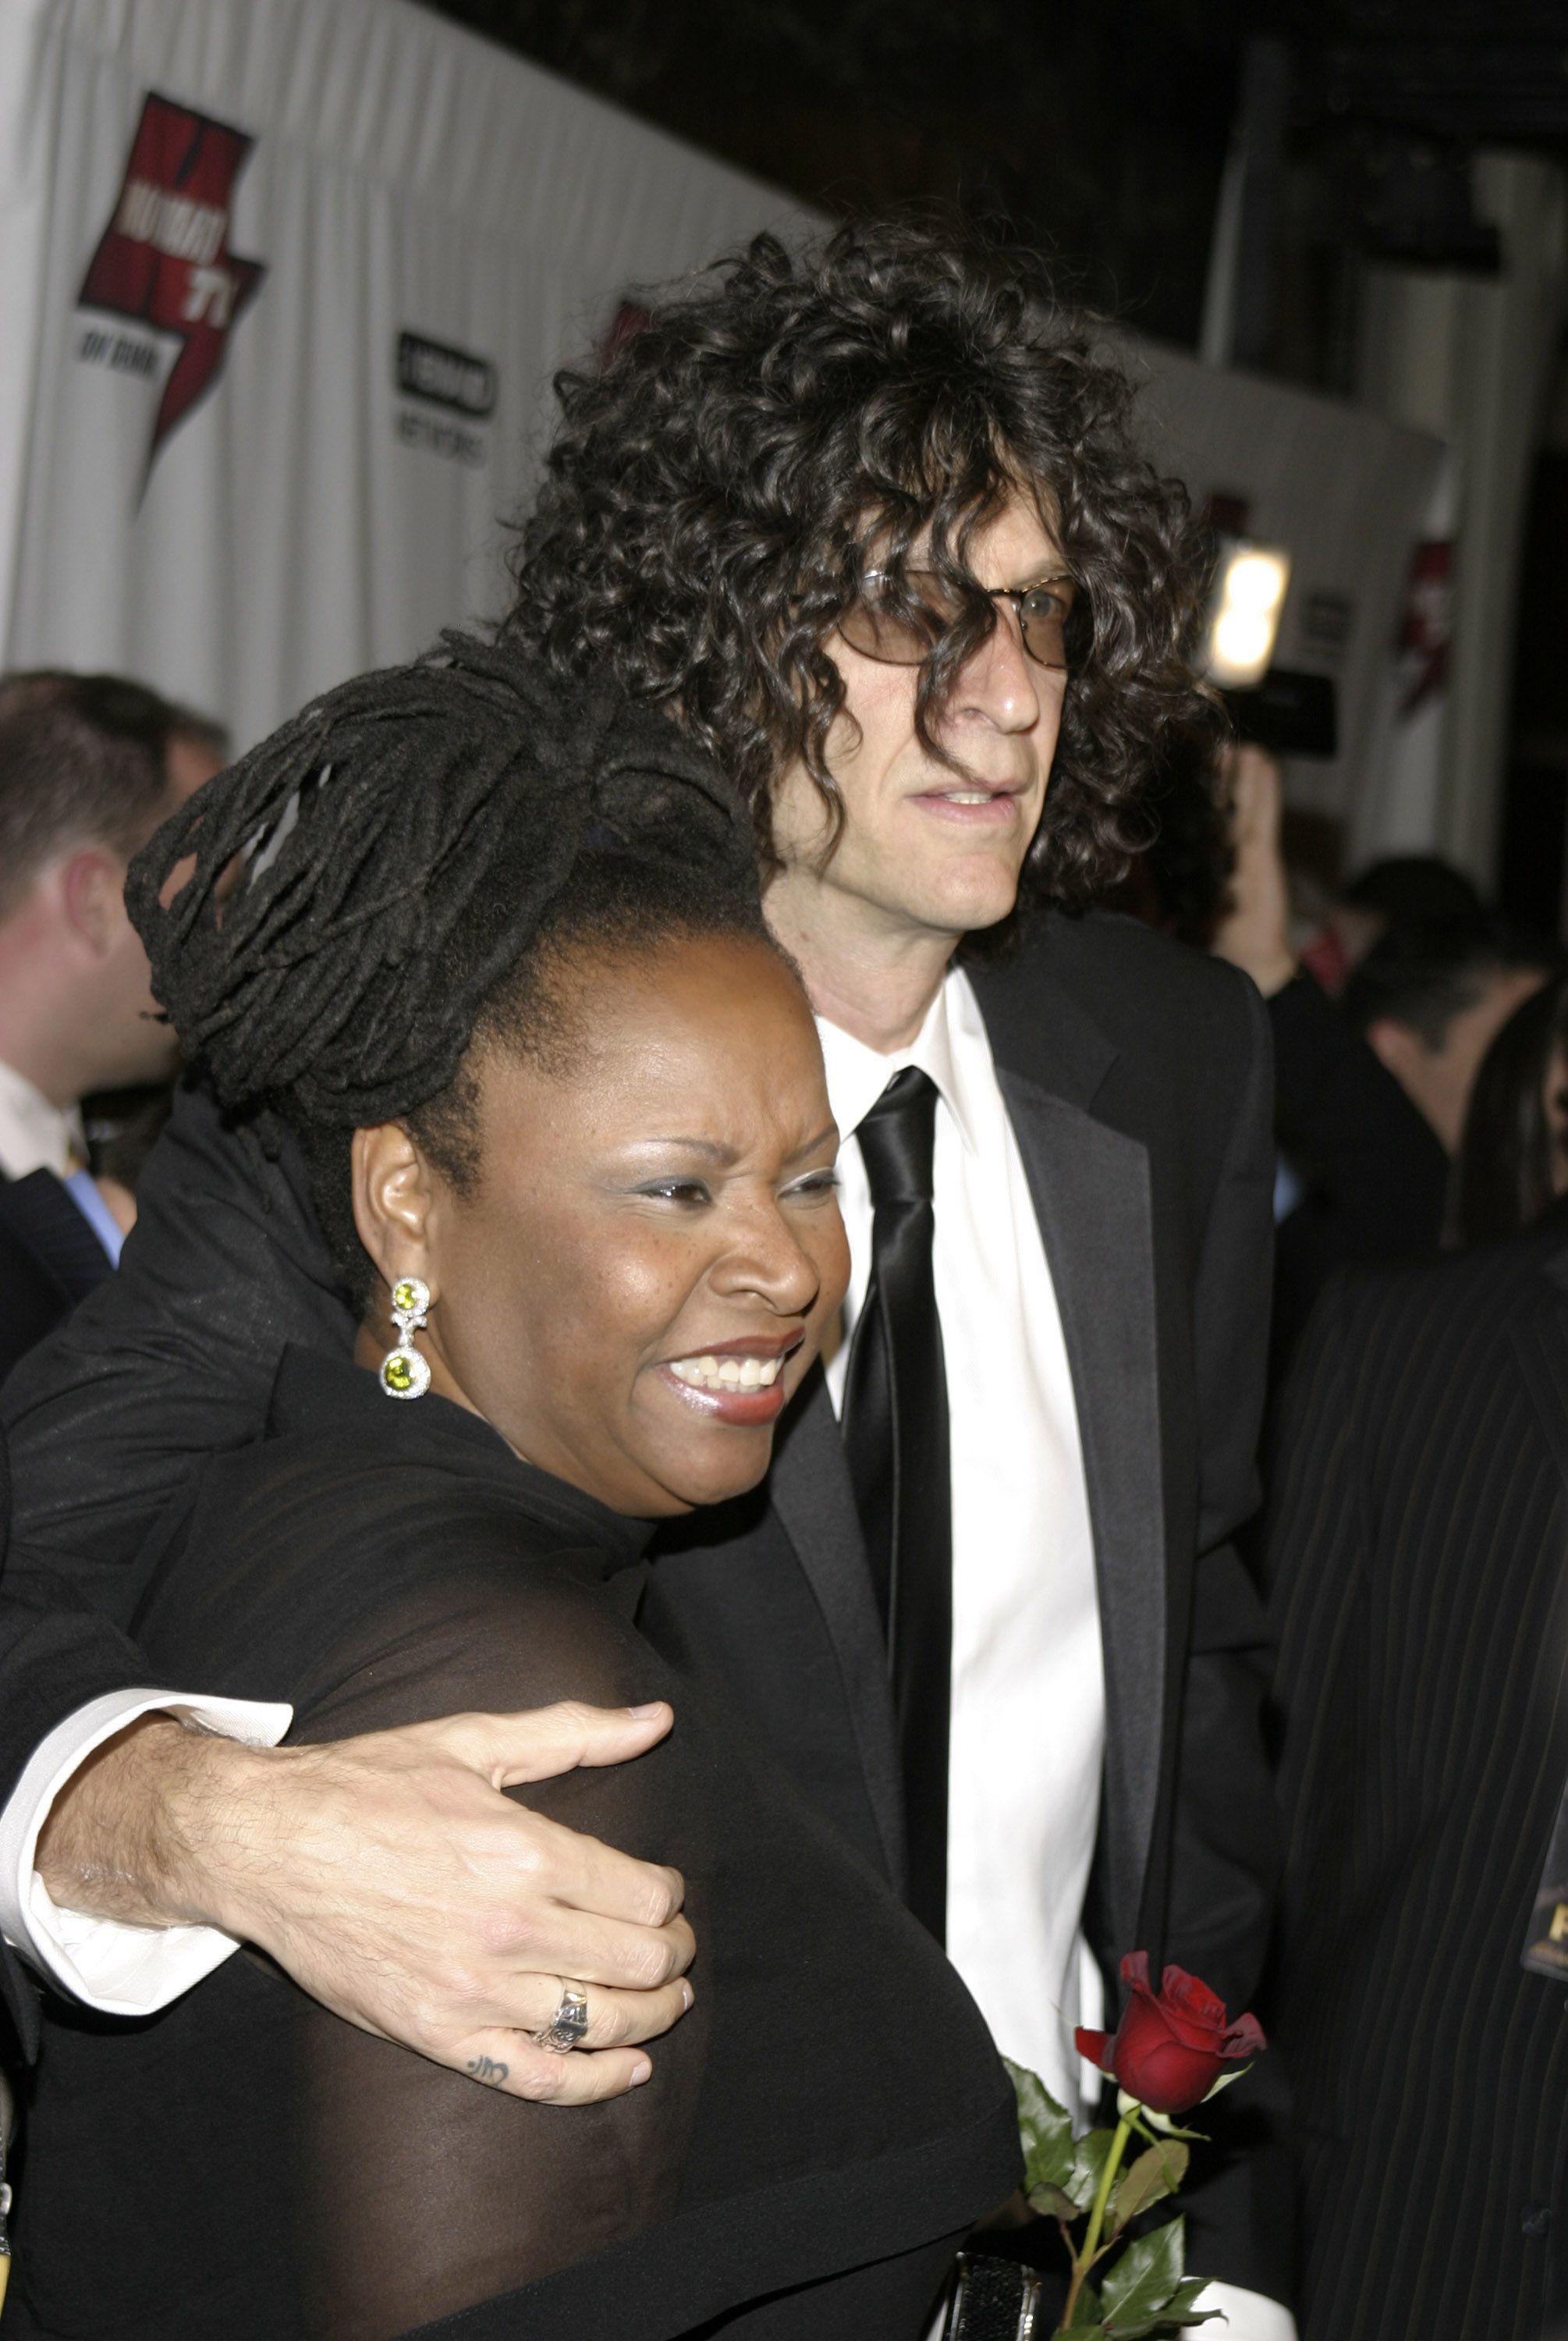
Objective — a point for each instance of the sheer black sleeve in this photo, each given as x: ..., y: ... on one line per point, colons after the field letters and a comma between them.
x: 416, y: 2193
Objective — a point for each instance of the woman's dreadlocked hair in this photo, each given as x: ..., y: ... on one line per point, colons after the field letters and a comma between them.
x: 419, y: 843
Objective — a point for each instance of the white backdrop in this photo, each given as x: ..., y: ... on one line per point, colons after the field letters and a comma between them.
x: 223, y: 467
x: 1353, y: 499
x: 281, y: 286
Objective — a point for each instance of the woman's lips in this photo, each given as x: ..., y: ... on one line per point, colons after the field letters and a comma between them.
x: 727, y: 1405
x: 740, y: 1381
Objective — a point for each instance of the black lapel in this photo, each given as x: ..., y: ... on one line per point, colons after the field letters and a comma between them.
x: 1090, y: 1186
x: 809, y: 1487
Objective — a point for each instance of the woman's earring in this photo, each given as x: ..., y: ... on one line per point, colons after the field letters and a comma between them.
x: 403, y: 1372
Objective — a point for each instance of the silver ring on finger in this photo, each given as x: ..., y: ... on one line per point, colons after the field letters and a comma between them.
x: 566, y: 2027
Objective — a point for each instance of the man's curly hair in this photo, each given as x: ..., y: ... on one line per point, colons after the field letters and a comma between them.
x: 782, y: 424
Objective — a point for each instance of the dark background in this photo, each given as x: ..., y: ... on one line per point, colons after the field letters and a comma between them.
x: 1100, y: 130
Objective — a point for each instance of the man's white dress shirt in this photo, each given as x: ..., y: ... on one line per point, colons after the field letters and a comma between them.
x: 34, y: 1134
x: 1026, y: 1734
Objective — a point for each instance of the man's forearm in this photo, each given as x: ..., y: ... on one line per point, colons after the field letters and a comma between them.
x: 119, y: 1840
x: 101, y: 1935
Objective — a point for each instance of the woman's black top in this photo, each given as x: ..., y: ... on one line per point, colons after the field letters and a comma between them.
x: 817, y: 2131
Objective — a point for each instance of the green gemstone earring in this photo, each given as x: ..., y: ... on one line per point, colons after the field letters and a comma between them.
x: 403, y: 1372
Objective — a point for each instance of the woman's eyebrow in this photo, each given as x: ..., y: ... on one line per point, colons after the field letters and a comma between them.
x: 830, y: 1131
x: 713, y: 1149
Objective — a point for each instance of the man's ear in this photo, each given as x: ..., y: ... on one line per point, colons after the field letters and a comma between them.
x: 392, y: 1198
x: 1395, y: 1045
x: 93, y: 890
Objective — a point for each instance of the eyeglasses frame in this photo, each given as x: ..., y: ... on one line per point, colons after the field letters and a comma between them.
x: 1016, y: 594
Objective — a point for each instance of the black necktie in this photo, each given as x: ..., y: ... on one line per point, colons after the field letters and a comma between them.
x: 896, y: 1438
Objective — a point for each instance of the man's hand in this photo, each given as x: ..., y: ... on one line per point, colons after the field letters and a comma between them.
x: 390, y: 1877
x: 1255, y: 933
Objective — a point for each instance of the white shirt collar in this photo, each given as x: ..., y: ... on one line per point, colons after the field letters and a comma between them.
x: 34, y: 1134
x: 856, y: 1075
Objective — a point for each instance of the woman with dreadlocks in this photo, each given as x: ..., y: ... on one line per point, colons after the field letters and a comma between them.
x: 496, y: 965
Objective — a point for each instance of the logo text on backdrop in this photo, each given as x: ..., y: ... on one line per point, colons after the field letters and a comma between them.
x: 164, y: 260
x: 433, y: 373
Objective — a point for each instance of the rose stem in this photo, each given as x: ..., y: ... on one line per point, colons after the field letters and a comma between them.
x: 1086, y: 2259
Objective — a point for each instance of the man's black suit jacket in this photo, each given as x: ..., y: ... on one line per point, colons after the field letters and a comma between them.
x: 1418, y: 1558
x: 1377, y: 1174
x: 50, y: 1259
x: 1137, y: 1077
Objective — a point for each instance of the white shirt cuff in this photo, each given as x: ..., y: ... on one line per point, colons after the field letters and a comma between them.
x: 1250, y: 2315
x: 121, y: 1970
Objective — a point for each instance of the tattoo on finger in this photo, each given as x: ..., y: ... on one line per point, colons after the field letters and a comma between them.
x: 489, y: 2068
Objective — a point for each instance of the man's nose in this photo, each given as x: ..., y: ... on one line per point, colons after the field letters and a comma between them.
x: 1000, y: 681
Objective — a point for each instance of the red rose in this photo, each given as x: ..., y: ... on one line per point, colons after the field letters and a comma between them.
x: 1170, y: 2047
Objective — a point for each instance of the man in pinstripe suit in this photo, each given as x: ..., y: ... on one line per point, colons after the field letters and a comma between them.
x: 1416, y: 1557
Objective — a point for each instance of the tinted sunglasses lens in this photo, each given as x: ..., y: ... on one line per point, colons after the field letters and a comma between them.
x: 1043, y: 620
x: 878, y: 629
x: 879, y: 633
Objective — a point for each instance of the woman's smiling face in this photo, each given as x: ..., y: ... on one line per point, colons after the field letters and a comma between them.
x: 644, y: 1267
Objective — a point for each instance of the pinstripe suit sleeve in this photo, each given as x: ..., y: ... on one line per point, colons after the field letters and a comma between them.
x: 1419, y: 1521
x: 1314, y: 1554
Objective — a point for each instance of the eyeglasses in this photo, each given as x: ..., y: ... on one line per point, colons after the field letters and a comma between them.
x: 879, y: 630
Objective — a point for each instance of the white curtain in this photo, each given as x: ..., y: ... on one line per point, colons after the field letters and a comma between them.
x: 281, y: 286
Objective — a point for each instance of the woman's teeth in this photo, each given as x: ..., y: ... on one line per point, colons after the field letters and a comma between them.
x: 967, y: 796
x: 727, y: 1373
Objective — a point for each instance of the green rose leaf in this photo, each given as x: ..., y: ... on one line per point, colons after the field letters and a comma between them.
x: 1089, y: 2152
x: 1141, y: 2284
x: 1045, y: 2127
x: 1052, y: 2204
x: 1152, y: 2176
x: 1177, y: 2310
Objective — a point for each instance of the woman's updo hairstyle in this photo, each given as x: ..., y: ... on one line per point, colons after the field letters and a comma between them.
x: 422, y: 848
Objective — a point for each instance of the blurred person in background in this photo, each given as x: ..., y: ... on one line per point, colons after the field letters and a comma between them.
x: 1513, y: 1160
x: 1429, y: 1001
x: 89, y: 767
x: 1363, y: 1174
x: 1414, y: 1558
x: 122, y: 1124
x: 1404, y: 890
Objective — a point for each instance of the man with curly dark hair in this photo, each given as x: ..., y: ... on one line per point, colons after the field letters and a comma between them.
x: 779, y: 435
x: 871, y: 525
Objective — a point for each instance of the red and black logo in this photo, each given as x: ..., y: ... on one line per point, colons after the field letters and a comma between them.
x: 165, y: 256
